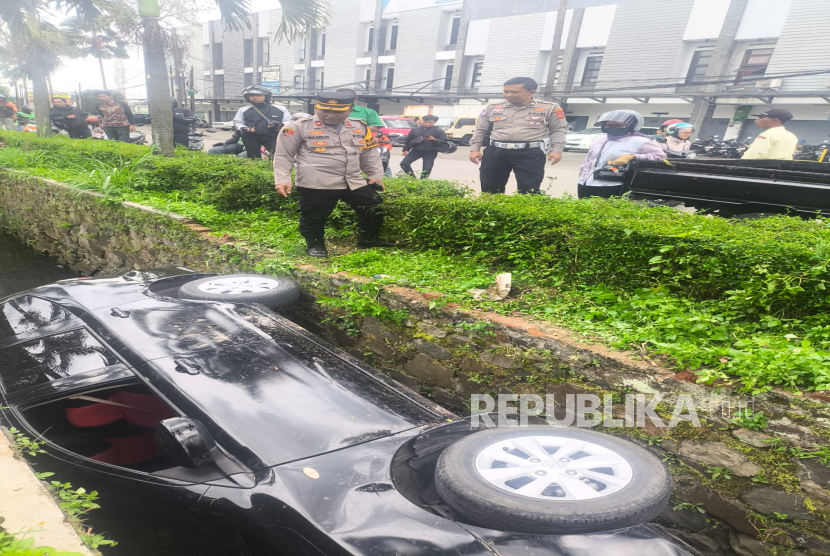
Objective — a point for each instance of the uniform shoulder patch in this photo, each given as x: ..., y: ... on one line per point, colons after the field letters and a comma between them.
x: 288, y: 132
x: 559, y: 113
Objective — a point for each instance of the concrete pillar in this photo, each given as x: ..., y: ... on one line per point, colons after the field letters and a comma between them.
x: 570, y: 56
x: 702, y: 111
x: 459, y: 70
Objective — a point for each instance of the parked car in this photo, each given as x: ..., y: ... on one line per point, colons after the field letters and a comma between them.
x: 445, y: 123
x: 397, y: 128
x: 224, y: 126
x: 187, y: 403
x: 141, y: 119
x: 461, y: 130
x: 581, y: 140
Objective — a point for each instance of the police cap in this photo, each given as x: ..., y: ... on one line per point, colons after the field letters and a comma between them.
x: 339, y: 102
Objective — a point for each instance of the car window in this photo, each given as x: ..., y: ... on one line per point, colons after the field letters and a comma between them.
x: 465, y: 121
x: 51, y: 358
x: 27, y: 313
x: 400, y: 124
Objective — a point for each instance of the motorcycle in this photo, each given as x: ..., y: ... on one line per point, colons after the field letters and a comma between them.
x: 814, y: 152
x: 729, y: 149
x: 703, y: 146
x: 136, y: 137
x: 195, y: 141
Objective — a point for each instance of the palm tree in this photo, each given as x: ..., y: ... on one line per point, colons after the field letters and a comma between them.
x: 33, y: 46
x: 297, y: 17
x: 95, y: 38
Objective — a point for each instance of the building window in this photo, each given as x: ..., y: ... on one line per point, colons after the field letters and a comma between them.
x: 264, y: 51
x: 298, y: 81
x: 370, y: 43
x: 754, y: 64
x: 321, y: 51
x: 476, y: 80
x: 698, y: 67
x: 393, y: 37
x: 217, y: 55
x: 591, y: 73
x: 454, y: 25
x: 248, y: 48
x: 390, y: 77
x: 218, y: 86
x: 448, y: 77
x: 248, y: 79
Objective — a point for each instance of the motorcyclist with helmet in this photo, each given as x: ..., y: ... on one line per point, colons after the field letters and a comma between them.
x: 261, y: 121
x: 677, y: 137
x: 661, y: 132
x: 183, y: 121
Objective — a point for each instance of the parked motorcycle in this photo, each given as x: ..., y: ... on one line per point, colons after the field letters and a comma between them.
x: 703, y: 146
x: 729, y: 149
x: 195, y: 141
x: 813, y: 152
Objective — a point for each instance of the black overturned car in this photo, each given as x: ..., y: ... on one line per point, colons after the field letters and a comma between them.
x: 209, y: 422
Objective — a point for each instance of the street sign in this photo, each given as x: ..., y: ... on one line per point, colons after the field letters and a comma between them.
x: 271, y: 77
x: 191, y: 91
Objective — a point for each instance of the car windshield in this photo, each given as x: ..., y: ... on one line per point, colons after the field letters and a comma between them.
x: 400, y: 124
x: 444, y: 122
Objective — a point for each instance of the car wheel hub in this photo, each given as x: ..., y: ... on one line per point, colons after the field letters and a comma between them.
x: 553, y: 468
x: 238, y: 286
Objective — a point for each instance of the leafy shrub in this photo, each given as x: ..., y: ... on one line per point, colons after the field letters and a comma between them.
x: 108, y: 151
x: 774, y: 264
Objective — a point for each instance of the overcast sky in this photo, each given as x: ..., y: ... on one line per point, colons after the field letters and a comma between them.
x: 86, y: 71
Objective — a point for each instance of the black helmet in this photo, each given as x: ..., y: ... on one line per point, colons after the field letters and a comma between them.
x: 26, y: 108
x: 256, y: 90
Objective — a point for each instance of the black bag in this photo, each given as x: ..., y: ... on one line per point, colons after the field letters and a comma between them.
x: 446, y: 147
x: 610, y: 173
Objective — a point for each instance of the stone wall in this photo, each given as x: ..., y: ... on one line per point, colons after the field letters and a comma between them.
x: 92, y: 235
x: 734, y: 486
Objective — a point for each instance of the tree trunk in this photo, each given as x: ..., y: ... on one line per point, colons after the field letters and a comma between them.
x: 41, y: 100
x: 158, y: 95
x: 103, y: 75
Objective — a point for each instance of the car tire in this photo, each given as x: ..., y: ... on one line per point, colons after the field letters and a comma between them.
x: 642, y: 489
x: 465, y: 141
x: 271, y: 291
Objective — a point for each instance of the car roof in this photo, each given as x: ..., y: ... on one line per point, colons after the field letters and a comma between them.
x: 267, y: 390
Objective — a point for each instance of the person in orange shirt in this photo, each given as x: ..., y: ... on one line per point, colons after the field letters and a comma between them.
x: 385, y: 145
x: 8, y: 113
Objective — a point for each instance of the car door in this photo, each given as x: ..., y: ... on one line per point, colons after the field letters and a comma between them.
x: 51, y: 365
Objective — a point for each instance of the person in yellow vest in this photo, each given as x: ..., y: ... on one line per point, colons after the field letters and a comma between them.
x: 775, y: 142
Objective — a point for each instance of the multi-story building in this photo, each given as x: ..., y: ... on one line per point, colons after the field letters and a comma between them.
x: 711, y: 62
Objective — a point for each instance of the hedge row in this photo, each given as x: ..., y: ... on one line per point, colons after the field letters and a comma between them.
x: 780, y: 264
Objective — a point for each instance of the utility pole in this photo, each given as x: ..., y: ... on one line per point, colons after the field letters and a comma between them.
x: 17, y: 94
x: 192, y: 91
x: 555, y: 48
x: 80, y: 97
x: 172, y: 86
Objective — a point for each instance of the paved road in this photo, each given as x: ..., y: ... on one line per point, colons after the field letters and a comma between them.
x: 559, y: 179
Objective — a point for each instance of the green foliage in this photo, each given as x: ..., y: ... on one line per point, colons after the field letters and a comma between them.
x: 692, y: 507
x: 745, y: 299
x: 360, y: 300
x: 76, y: 502
x: 719, y: 473
x: 25, y: 445
x: 20, y: 544
x: 821, y: 454
x: 748, y: 420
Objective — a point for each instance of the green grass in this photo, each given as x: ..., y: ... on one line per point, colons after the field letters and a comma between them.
x: 742, y: 303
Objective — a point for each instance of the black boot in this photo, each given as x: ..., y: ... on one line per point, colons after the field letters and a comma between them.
x: 316, y: 247
x: 372, y: 239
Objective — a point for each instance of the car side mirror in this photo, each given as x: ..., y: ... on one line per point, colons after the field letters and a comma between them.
x: 185, y: 442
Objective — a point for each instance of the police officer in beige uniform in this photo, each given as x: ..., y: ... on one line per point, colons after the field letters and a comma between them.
x: 519, y: 131
x: 331, y: 151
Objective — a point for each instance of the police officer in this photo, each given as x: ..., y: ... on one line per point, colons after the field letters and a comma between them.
x: 331, y: 151
x: 518, y: 130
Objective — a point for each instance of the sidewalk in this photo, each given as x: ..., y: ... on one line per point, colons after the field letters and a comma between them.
x: 25, y: 503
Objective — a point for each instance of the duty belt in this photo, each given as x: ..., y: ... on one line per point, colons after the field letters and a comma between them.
x: 530, y: 145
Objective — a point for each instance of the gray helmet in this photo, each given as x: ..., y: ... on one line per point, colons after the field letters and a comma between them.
x: 256, y: 90
x: 633, y: 120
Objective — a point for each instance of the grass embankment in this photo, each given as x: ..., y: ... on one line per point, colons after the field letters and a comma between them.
x: 736, y: 301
